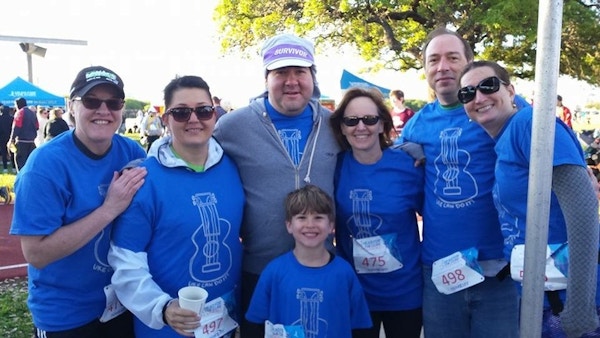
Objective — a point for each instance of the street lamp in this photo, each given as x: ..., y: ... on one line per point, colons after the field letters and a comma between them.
x: 28, y: 45
x: 29, y: 49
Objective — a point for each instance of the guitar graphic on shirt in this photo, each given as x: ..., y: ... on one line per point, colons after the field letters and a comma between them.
x: 454, y: 183
x: 365, y: 223
x: 212, y: 258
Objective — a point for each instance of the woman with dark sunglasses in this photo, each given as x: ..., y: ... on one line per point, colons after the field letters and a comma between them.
x: 69, y: 193
x: 182, y: 227
x: 488, y: 97
x: 378, y: 192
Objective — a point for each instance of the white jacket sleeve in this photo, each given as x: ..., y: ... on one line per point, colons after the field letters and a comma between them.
x: 135, y: 287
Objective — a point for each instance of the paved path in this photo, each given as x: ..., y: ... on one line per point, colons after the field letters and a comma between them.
x: 12, y: 262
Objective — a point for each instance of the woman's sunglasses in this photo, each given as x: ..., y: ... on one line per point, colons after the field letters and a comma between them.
x: 488, y: 86
x: 368, y: 120
x: 94, y: 103
x: 183, y: 114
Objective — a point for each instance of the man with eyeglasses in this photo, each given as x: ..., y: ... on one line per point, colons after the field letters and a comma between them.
x: 280, y: 142
x: 468, y: 291
x: 70, y: 192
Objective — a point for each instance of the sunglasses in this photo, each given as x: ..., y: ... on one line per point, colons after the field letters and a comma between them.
x: 183, y: 114
x: 94, y: 103
x: 368, y: 120
x: 487, y: 86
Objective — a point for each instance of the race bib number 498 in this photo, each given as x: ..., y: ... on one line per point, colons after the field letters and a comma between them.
x: 455, y: 273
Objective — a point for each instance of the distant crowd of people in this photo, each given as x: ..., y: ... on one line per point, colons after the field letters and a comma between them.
x: 24, y: 128
x: 300, y: 221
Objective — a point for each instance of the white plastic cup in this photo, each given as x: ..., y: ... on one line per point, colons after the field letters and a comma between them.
x: 192, y: 298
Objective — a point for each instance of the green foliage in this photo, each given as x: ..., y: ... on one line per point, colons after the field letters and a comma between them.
x: 390, y: 33
x: 133, y: 104
x: 415, y: 105
x: 593, y: 105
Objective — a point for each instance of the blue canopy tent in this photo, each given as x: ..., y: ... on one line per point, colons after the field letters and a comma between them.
x: 34, y: 95
x: 349, y: 80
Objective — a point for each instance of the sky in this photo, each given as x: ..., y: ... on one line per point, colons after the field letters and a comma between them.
x: 149, y: 42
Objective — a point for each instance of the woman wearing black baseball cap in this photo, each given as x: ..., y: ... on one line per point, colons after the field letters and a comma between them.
x: 70, y: 192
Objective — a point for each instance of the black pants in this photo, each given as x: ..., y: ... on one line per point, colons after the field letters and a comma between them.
x: 120, y: 327
x: 4, y: 153
x: 24, y: 149
x: 405, y: 324
x: 249, y: 329
x: 150, y: 139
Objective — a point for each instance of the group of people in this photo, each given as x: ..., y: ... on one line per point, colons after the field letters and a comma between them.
x: 248, y: 208
x: 25, y: 128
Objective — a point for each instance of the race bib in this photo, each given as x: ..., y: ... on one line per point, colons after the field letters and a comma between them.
x: 113, y: 306
x: 457, y: 272
x: 556, y: 270
x: 215, y: 320
x: 283, y: 331
x: 376, y: 254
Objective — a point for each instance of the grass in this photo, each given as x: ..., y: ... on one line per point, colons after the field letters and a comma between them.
x: 15, y: 318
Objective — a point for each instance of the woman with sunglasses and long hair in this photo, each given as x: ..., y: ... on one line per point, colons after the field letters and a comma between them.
x: 378, y: 192
x: 182, y: 227
x: 69, y: 193
x: 571, y: 302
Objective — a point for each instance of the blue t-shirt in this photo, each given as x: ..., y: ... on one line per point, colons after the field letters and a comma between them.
x: 293, y: 130
x: 513, y: 146
x: 188, y: 224
x: 326, y: 301
x: 459, y: 210
x: 380, y: 200
x: 59, y: 185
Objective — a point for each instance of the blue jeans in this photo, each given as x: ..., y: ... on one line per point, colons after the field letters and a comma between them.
x: 489, y: 309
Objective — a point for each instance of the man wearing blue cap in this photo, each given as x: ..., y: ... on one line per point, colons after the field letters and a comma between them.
x: 280, y: 142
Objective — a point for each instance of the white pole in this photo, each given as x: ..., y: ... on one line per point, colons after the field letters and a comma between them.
x: 540, y: 173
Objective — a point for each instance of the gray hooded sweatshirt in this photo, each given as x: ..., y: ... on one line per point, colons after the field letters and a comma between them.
x: 269, y: 174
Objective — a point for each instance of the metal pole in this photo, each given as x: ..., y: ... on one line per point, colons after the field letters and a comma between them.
x: 29, y: 68
x: 540, y: 173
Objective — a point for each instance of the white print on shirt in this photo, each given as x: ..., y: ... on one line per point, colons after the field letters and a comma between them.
x: 309, y: 300
x: 508, y: 222
x: 212, y: 259
x: 101, y: 260
x: 291, y: 141
x: 366, y: 224
x: 372, y: 252
x: 454, y: 185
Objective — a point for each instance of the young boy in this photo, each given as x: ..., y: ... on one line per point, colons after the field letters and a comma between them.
x: 309, y: 289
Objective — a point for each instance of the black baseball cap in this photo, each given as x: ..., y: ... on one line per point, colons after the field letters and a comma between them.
x: 90, y: 77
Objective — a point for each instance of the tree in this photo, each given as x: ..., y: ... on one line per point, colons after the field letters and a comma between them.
x: 389, y: 33
x: 133, y: 104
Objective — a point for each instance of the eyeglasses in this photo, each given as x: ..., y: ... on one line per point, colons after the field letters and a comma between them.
x: 183, y: 114
x: 487, y: 86
x: 94, y: 103
x: 368, y: 120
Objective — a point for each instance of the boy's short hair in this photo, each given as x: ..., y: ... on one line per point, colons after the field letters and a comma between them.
x: 311, y: 199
